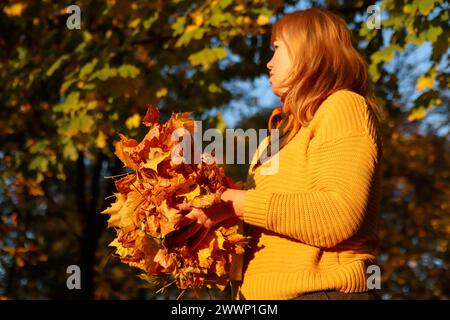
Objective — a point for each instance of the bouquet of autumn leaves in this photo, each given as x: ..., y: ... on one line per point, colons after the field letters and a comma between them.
x: 152, y: 200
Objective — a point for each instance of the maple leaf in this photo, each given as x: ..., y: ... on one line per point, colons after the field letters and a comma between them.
x: 152, y: 163
x: 122, y: 211
x: 125, y: 184
x: 120, y: 249
x: 220, y: 239
x: 115, y: 219
x: 204, y: 257
x: 172, y: 218
x: 192, y: 194
x: 164, y: 259
x: 122, y: 151
x: 151, y: 117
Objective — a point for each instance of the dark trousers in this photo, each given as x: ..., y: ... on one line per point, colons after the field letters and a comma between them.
x: 336, y: 295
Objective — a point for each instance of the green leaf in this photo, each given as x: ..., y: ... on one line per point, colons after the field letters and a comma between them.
x: 178, y: 25
x: 71, y: 103
x: 70, y: 127
x: 39, y: 163
x: 214, y: 88
x: 69, y: 151
x: 195, y: 33
x: 66, y: 85
x: 425, y: 6
x: 88, y: 68
x: 105, y: 73
x: 434, y: 32
x: 374, y: 72
x: 206, y: 57
x: 220, y: 19
x: 56, y: 64
x: 39, y: 146
x: 149, y: 22
x: 384, y: 55
x: 86, y: 123
x: 223, y: 4
x: 128, y: 70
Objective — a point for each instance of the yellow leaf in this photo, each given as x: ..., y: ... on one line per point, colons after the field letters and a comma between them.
x: 191, y: 195
x: 220, y: 267
x: 204, y: 258
x: 417, y: 114
x: 92, y: 105
x: 152, y: 163
x: 161, y: 92
x: 198, y: 18
x: 239, y: 8
x: 190, y: 28
x: 425, y: 81
x: 120, y: 249
x: 122, y: 154
x: 101, y: 140
x: 134, y: 23
x: 80, y: 84
x: 262, y: 20
x: 172, y: 215
x: 15, y: 9
x: 122, y: 210
x: 407, y: 8
x: 163, y: 258
x: 221, y: 287
x: 133, y: 122
x: 220, y: 239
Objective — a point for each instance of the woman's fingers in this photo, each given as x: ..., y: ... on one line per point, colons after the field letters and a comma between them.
x: 186, y: 233
x: 184, y: 222
x: 198, y: 238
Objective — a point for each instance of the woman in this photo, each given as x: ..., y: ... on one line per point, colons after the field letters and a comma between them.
x: 313, y: 222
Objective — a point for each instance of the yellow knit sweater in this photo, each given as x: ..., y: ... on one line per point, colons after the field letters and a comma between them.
x: 314, y: 221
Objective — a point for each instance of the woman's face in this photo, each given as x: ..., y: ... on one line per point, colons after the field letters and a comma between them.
x: 279, y: 66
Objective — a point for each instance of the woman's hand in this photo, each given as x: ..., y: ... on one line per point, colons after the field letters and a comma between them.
x: 236, y: 198
x: 196, y: 225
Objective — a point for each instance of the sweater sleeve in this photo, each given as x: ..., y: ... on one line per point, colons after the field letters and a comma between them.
x: 340, y: 171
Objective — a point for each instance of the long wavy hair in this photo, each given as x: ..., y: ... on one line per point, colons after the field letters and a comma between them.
x: 324, y: 59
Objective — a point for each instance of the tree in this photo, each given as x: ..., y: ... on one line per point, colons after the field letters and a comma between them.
x: 68, y: 92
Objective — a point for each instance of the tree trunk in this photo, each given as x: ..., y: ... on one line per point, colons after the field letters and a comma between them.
x: 93, y: 223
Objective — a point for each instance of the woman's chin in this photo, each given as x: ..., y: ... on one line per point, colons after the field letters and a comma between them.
x: 278, y: 92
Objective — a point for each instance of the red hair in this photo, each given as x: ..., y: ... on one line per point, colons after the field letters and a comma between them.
x: 324, y: 61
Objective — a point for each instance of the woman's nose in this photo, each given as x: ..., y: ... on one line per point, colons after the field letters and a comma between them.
x: 270, y: 64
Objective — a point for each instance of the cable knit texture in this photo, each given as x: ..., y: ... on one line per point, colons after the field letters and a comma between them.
x: 313, y: 222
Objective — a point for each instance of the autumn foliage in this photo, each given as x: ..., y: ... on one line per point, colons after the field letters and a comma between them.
x: 151, y: 201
